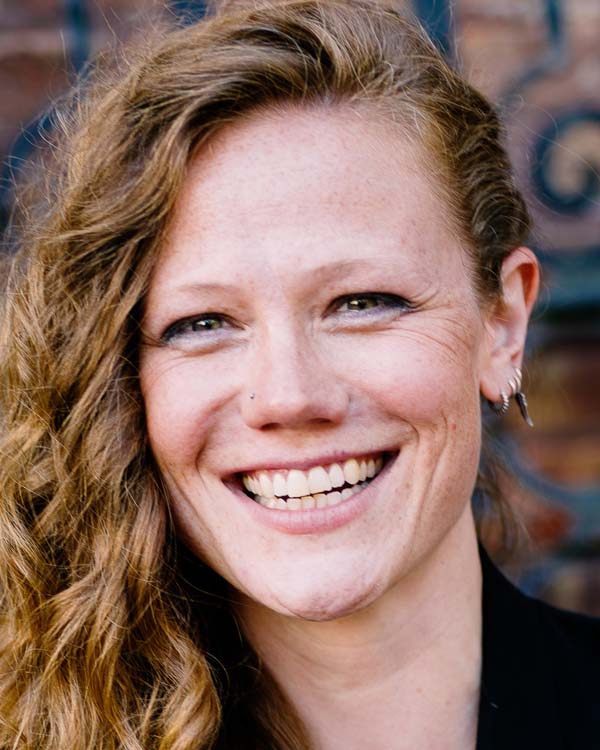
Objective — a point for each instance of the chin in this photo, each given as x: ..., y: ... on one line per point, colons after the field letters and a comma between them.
x: 322, y: 603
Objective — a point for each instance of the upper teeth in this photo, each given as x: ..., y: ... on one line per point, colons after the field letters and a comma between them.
x: 297, y: 483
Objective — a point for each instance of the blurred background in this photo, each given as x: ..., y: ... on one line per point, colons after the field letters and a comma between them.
x: 539, y: 60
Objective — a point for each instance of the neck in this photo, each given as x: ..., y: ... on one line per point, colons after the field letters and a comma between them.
x: 402, y: 673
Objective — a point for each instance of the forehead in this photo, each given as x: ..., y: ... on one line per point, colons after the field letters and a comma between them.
x: 309, y: 186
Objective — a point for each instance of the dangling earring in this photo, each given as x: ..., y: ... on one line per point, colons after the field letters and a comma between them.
x: 515, y: 391
x: 520, y: 397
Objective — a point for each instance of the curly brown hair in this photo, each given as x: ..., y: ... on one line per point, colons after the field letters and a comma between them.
x: 104, y: 642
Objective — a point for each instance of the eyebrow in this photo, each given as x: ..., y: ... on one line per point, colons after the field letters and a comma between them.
x: 339, y: 269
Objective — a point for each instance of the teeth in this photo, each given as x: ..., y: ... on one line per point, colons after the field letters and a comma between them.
x: 297, y: 484
x: 266, y: 486
x: 333, y: 498
x: 279, y: 485
x: 336, y: 475
x: 316, y: 488
x: 321, y: 500
x: 308, y: 502
x: 351, y: 471
x: 318, y: 480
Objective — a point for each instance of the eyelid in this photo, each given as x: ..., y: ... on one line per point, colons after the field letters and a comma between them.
x: 176, y: 329
x: 391, y: 300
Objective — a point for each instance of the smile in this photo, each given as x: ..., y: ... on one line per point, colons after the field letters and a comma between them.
x: 319, y: 487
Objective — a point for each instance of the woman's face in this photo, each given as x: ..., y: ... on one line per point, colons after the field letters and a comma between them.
x: 314, y: 322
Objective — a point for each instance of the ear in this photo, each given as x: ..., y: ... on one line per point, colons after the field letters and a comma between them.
x: 506, y: 323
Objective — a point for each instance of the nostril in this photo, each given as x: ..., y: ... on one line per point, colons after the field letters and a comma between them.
x: 287, y: 423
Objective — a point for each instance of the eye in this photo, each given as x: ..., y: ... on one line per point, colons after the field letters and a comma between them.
x: 370, y: 303
x: 196, y: 331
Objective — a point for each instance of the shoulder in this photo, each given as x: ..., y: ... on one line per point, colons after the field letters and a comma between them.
x: 540, y: 668
x: 574, y: 635
x: 562, y: 637
x: 568, y: 639
x: 569, y: 630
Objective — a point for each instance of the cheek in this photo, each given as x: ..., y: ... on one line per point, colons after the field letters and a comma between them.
x: 420, y: 377
x: 179, y: 402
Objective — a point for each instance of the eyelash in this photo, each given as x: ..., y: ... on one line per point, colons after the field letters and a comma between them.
x: 390, y: 302
x: 186, y: 326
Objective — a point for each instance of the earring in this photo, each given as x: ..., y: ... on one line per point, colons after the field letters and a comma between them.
x: 252, y: 396
x: 501, y: 408
x: 514, y: 384
x: 520, y: 398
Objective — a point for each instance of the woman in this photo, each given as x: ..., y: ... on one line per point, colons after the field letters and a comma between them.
x: 245, y: 346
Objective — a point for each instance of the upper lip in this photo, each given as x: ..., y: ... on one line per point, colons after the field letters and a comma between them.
x: 306, y: 463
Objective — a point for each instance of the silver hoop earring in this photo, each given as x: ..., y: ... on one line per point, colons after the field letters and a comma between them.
x: 502, y: 407
x: 514, y: 385
x: 519, y: 378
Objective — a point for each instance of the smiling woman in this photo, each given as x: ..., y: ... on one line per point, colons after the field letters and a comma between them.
x: 245, y: 349
x: 354, y: 320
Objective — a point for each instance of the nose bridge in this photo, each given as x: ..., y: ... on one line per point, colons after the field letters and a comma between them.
x: 289, y: 381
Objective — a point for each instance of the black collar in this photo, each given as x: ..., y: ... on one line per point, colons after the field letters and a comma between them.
x: 519, y: 703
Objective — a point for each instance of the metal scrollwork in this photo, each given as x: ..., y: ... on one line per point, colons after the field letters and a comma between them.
x: 582, y: 197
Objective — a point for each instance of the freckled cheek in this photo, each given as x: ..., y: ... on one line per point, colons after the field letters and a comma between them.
x: 415, y: 382
x: 180, y: 406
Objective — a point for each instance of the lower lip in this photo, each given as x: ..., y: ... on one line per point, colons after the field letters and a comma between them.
x: 314, y: 520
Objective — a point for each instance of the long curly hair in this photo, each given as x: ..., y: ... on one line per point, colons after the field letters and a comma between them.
x: 111, y: 635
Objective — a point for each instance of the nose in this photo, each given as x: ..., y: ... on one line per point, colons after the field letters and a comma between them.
x: 291, y: 384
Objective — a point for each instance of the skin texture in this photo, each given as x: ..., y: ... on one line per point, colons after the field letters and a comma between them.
x: 282, y: 217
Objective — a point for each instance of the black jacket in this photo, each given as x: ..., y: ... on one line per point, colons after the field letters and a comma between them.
x: 540, y: 672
